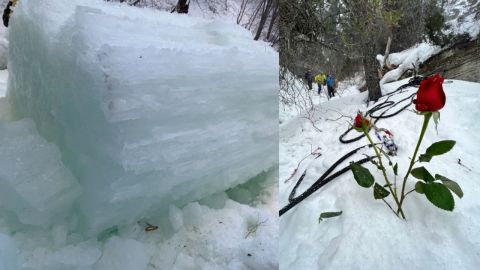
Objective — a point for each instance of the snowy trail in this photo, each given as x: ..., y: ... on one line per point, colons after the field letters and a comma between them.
x: 431, y: 238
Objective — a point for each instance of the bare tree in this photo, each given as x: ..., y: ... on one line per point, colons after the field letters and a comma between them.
x: 263, y: 18
x: 273, y: 19
x: 252, y: 18
x: 243, y: 7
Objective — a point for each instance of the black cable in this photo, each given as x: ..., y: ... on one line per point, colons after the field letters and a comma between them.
x: 325, y: 178
x: 370, y: 113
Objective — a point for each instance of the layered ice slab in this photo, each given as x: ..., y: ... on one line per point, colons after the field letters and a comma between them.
x: 34, y: 184
x: 148, y: 108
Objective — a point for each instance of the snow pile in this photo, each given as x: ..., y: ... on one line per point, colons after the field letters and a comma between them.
x: 367, y: 235
x: 147, y: 108
x: 407, y: 59
x: 215, y: 233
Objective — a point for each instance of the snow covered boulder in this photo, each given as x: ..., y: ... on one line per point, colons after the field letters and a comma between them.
x: 148, y: 108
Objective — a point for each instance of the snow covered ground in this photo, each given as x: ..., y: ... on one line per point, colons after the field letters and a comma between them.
x: 367, y: 235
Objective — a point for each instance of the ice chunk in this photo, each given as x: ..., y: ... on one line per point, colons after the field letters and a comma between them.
x: 34, y: 184
x: 59, y: 235
x: 176, y: 218
x: 81, y: 255
x: 8, y: 253
x: 123, y: 254
x: 148, y: 108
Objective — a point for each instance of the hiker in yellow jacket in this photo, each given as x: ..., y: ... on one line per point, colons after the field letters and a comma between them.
x: 7, y: 12
x: 320, y: 80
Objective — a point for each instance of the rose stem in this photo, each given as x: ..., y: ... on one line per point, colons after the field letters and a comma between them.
x: 426, y: 119
x: 365, y: 130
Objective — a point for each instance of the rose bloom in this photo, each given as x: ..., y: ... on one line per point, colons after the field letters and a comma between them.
x: 358, y: 121
x: 430, y: 95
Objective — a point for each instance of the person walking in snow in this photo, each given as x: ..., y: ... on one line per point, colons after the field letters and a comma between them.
x: 7, y: 12
x: 309, y: 78
x: 320, y: 80
x: 331, y: 85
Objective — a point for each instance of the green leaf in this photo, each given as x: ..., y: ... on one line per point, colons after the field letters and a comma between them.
x: 425, y: 158
x: 450, y: 184
x: 362, y: 175
x: 440, y: 148
x: 419, y: 187
x: 439, y: 195
x: 379, y: 192
x: 328, y: 215
x: 395, y: 169
x: 423, y: 174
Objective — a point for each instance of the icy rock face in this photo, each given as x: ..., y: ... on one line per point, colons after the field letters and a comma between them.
x: 34, y: 184
x: 148, y: 108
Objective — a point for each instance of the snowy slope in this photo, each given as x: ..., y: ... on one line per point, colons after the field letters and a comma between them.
x: 430, y: 239
x: 304, y: 97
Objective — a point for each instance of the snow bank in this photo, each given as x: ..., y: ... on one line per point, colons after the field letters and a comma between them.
x: 148, y: 108
x: 232, y: 236
x: 367, y: 235
x: 407, y: 59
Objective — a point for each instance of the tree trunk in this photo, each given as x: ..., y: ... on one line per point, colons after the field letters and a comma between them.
x: 272, y: 19
x: 243, y: 6
x: 182, y: 6
x: 252, y: 18
x: 263, y: 19
x: 370, y: 65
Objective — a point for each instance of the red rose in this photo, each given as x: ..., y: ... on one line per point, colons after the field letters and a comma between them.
x: 358, y: 121
x: 430, y: 95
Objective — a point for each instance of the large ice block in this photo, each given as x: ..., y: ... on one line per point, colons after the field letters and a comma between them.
x: 148, y: 108
x: 8, y: 253
x: 34, y: 184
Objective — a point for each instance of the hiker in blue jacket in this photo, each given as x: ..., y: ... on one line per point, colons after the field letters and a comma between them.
x: 331, y: 85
